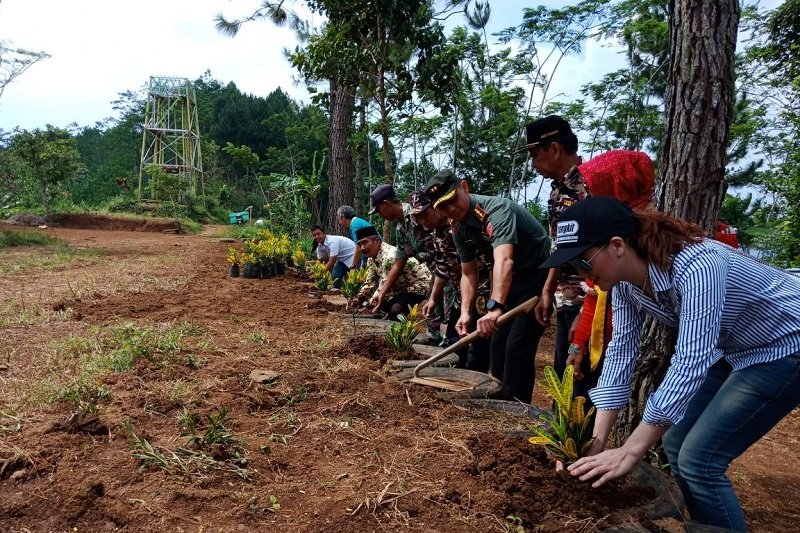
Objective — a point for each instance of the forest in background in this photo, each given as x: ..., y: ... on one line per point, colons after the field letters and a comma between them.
x: 414, y: 98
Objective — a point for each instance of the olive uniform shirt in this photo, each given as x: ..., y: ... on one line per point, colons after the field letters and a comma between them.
x: 412, y: 240
x: 493, y: 221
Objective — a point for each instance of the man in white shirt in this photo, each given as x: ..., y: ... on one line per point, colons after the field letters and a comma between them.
x: 338, y: 253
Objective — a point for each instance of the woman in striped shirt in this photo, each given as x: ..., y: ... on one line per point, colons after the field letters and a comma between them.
x: 736, y: 368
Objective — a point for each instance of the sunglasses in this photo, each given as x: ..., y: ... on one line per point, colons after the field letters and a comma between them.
x: 585, y: 265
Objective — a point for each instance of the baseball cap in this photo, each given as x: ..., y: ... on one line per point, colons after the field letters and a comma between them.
x: 588, y: 223
x: 419, y: 202
x: 545, y: 130
x: 381, y: 193
x: 441, y: 187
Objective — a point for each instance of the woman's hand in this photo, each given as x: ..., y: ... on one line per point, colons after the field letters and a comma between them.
x: 605, y: 466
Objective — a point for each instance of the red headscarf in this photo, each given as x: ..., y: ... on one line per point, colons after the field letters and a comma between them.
x: 624, y: 174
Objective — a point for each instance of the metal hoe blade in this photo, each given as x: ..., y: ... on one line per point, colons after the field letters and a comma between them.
x: 454, y: 385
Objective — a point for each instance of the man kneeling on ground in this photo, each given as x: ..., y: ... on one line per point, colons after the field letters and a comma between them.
x: 411, y: 286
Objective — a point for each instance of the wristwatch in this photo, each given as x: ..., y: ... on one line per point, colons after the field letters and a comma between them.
x: 491, y: 305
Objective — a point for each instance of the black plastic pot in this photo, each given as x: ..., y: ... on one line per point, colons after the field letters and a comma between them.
x: 281, y: 268
x: 233, y: 270
x: 266, y: 271
x: 251, y: 271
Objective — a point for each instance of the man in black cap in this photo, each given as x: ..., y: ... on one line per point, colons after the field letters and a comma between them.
x: 384, y: 200
x: 446, y: 270
x: 409, y: 288
x: 518, y: 244
x: 553, y: 149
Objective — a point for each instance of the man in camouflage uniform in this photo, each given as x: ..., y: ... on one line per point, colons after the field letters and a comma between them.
x: 409, y: 287
x: 553, y: 150
x: 446, y: 269
x: 384, y: 201
x: 518, y: 244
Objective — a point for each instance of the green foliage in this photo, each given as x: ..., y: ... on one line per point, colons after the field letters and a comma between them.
x: 217, y: 432
x: 405, y: 331
x: 322, y: 277
x: 299, y: 258
x: 569, y: 432
x: 44, y: 160
x: 84, y: 396
x: 193, y: 460
x: 26, y: 238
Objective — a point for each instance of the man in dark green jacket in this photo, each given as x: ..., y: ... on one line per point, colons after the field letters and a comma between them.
x: 519, y: 244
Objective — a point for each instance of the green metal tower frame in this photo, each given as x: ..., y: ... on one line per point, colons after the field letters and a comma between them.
x: 171, y: 134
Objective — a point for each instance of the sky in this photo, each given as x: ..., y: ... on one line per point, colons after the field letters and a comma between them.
x: 101, y: 48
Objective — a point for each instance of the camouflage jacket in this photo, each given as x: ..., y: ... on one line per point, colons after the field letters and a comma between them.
x: 415, y: 277
x: 563, y: 194
x: 412, y: 239
x: 447, y: 265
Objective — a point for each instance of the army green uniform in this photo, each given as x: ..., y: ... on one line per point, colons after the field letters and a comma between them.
x: 493, y: 221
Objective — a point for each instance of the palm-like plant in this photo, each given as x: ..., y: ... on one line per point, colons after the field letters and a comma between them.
x: 568, y: 435
x: 322, y: 277
x: 404, y: 332
x: 353, y: 281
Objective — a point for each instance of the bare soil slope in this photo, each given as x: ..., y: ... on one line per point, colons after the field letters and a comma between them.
x: 331, y: 445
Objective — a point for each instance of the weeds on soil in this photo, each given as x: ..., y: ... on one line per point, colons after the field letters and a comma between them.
x: 569, y: 434
x: 192, y: 460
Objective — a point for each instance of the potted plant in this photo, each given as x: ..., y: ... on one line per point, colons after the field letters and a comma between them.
x: 265, y: 254
x: 250, y: 267
x: 282, y: 248
x: 299, y: 260
x: 405, y: 331
x: 235, y: 262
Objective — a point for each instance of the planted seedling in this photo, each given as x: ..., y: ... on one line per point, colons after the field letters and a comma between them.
x: 352, y: 283
x: 404, y: 332
x: 568, y: 432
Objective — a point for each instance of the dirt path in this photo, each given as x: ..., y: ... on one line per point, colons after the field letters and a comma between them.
x: 331, y: 445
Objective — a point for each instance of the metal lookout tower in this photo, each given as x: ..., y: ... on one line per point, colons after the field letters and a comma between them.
x: 171, y: 136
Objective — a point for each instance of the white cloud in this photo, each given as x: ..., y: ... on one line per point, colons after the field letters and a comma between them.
x: 100, y: 48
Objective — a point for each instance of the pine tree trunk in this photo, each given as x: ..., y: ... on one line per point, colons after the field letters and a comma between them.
x: 340, y: 187
x: 361, y: 159
x: 699, y: 107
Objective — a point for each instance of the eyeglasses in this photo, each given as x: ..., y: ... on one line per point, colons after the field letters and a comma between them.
x: 585, y: 265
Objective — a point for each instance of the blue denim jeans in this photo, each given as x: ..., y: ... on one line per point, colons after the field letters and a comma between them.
x: 730, y: 412
x: 340, y: 270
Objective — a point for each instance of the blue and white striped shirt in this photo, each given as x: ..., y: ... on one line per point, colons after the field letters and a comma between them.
x: 724, y: 304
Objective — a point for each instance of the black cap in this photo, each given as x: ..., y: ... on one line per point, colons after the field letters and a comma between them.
x: 546, y: 130
x: 588, y: 223
x: 381, y: 193
x: 441, y: 187
x: 366, y: 231
x: 419, y: 202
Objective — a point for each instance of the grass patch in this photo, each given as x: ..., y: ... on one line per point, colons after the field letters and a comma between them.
x: 200, y: 453
x: 85, y: 359
x: 10, y: 238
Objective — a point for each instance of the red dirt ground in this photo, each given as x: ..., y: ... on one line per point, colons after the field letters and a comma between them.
x: 329, y: 446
